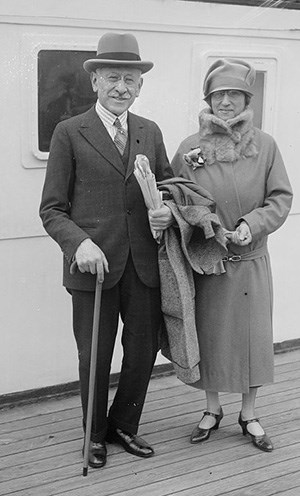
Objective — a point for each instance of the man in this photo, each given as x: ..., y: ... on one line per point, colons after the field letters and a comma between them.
x: 93, y: 207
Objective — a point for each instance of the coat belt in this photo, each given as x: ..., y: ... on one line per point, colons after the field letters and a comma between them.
x: 251, y: 255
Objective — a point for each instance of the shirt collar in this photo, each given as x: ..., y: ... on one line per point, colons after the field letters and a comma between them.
x: 108, y: 118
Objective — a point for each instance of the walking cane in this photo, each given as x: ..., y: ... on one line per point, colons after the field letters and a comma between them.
x: 93, y: 364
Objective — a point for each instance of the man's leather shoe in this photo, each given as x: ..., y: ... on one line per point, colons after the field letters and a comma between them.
x: 131, y: 443
x: 97, y: 455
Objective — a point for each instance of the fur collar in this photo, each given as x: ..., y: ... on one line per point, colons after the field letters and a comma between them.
x: 226, y: 141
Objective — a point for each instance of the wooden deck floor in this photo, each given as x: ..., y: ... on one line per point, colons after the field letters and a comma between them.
x: 40, y: 446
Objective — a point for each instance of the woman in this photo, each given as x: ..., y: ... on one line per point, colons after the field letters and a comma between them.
x: 242, y: 168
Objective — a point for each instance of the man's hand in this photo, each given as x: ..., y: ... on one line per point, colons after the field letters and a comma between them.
x: 161, y: 218
x: 90, y: 258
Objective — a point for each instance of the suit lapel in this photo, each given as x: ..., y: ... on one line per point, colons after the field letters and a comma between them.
x: 94, y: 131
x: 137, y: 140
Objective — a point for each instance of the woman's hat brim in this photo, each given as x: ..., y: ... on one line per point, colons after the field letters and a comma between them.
x: 92, y: 64
x: 228, y: 88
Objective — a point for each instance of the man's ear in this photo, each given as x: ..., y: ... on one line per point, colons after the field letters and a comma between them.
x: 94, y: 79
x: 141, y: 81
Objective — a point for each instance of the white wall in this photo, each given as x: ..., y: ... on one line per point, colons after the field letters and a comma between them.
x: 37, y: 346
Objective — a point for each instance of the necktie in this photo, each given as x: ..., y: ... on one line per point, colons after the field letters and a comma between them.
x: 121, y: 136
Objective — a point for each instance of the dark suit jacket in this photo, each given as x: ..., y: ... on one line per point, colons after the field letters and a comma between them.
x: 89, y: 194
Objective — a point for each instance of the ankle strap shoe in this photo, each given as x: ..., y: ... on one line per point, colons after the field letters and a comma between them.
x: 198, y: 435
x: 262, y: 442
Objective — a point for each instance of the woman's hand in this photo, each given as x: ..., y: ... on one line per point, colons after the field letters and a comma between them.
x: 241, y: 236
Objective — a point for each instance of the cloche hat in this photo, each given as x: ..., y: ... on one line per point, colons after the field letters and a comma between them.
x: 229, y: 74
x: 117, y: 49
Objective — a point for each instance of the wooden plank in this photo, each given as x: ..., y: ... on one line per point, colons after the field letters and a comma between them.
x: 267, y: 484
x: 161, y: 444
x: 180, y: 475
x: 26, y: 427
x: 291, y: 356
x: 51, y: 411
x: 41, y: 446
x: 167, y: 463
x: 183, y: 394
x: 34, y: 426
x: 188, y: 397
x: 170, y: 439
x: 181, y: 415
x: 285, y: 484
x: 284, y: 361
x: 295, y: 491
x: 186, y: 412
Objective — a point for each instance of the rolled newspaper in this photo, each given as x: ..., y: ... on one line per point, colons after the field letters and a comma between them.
x: 147, y: 182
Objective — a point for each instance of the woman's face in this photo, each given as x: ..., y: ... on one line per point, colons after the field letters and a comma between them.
x: 227, y: 104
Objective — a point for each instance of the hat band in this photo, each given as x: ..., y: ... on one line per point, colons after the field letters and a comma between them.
x: 118, y: 56
x: 227, y: 83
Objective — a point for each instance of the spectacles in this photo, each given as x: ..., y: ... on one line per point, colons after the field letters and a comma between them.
x: 232, y: 94
x: 114, y: 79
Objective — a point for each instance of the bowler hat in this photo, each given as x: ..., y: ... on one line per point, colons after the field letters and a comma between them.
x: 117, y: 50
x: 229, y: 74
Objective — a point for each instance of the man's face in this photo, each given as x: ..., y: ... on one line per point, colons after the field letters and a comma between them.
x: 117, y: 87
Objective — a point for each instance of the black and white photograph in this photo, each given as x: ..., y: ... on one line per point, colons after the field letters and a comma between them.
x: 149, y: 242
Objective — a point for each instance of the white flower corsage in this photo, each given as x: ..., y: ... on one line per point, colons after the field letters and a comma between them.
x: 194, y: 158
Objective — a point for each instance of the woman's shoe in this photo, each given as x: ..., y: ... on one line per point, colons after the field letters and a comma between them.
x: 263, y: 442
x: 198, y: 435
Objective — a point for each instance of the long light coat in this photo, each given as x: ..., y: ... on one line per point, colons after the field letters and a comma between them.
x: 245, y: 175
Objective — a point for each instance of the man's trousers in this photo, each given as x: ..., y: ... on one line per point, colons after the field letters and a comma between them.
x: 140, y: 309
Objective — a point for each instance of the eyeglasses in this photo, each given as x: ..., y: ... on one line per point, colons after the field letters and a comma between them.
x: 232, y: 95
x: 114, y: 80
